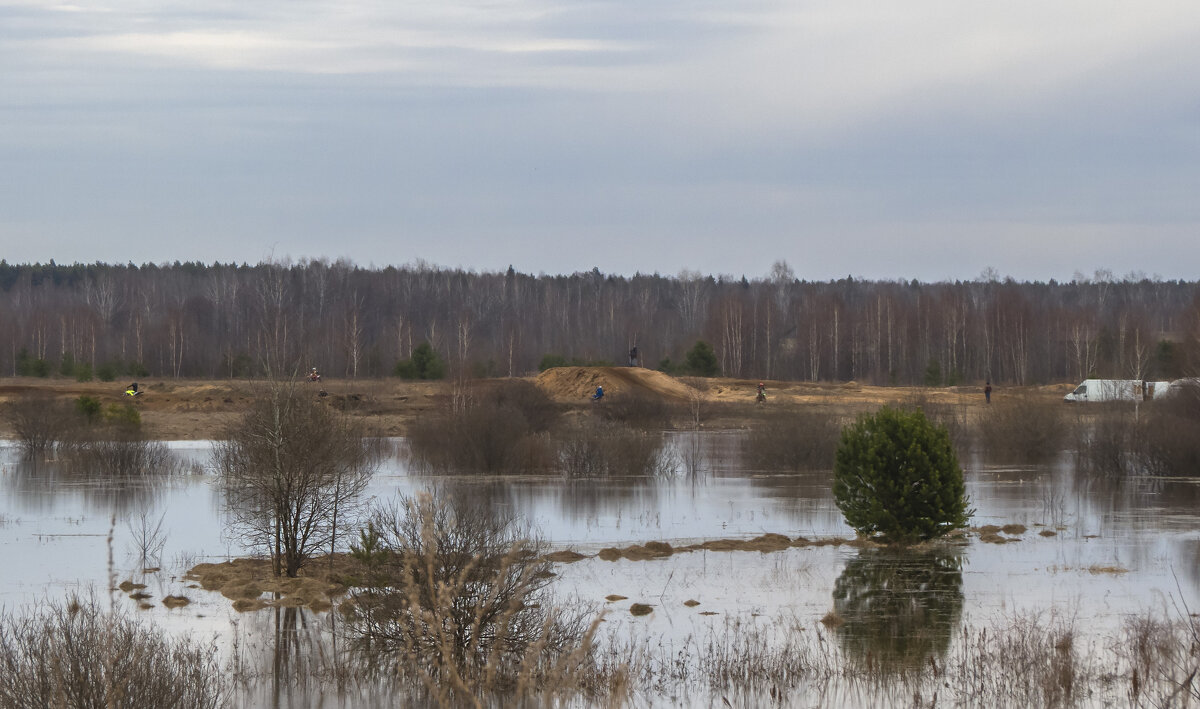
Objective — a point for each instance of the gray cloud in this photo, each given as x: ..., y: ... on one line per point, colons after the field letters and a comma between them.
x: 930, y: 140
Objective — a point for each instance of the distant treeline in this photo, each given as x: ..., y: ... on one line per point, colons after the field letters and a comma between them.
x: 226, y: 320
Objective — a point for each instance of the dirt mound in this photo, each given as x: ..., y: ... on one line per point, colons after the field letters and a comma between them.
x: 575, y: 383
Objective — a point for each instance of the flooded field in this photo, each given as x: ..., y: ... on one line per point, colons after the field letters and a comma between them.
x: 1050, y: 551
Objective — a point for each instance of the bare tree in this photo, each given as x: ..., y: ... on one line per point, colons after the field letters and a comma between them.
x: 291, y: 468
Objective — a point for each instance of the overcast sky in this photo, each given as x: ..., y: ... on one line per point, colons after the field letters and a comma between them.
x: 928, y: 139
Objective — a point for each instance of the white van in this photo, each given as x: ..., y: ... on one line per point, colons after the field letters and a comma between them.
x: 1117, y: 390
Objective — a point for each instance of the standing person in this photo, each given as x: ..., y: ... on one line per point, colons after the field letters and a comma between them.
x: 633, y: 357
x: 987, y: 391
x: 761, y: 396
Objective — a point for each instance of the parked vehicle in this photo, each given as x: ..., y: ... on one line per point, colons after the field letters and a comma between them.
x: 1117, y: 390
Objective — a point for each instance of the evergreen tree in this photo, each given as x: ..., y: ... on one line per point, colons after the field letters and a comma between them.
x: 896, y: 475
x: 701, y: 360
x: 424, y: 364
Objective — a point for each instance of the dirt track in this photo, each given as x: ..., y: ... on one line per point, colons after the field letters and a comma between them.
x: 202, y: 409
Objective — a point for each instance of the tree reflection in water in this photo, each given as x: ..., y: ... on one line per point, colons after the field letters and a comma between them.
x: 898, y: 607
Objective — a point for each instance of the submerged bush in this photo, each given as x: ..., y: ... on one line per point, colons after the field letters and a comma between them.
x: 1171, y: 433
x: 895, y: 474
x: 74, y: 655
x: 953, y: 418
x: 39, y: 423
x: 1109, y: 445
x: 115, y: 453
x: 599, y: 449
x: 498, y: 429
x: 1023, y: 428
x: 457, y: 600
x: 637, y: 409
x: 797, y: 441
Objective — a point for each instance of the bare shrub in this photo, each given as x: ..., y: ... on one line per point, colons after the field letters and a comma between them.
x: 147, y: 537
x: 636, y: 409
x: 1171, y: 433
x: 538, y: 409
x: 496, y: 430
x: 804, y: 440
x: 117, y: 452
x: 952, y: 417
x: 39, y: 423
x: 1108, y: 445
x: 457, y: 601
x: 74, y: 655
x: 292, y: 469
x: 1023, y: 428
x: 595, y: 449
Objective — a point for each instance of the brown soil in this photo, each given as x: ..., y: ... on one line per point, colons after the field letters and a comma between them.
x: 175, y: 601
x: 183, y: 409
x: 640, y: 609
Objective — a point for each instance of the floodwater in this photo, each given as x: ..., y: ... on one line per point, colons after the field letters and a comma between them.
x: 1116, y: 549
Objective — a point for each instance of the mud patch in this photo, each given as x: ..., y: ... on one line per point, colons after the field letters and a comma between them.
x: 833, y: 620
x: 175, y: 601
x: 247, y: 581
x: 691, y: 603
x: 641, y: 609
x: 614, y: 597
x: 564, y: 557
